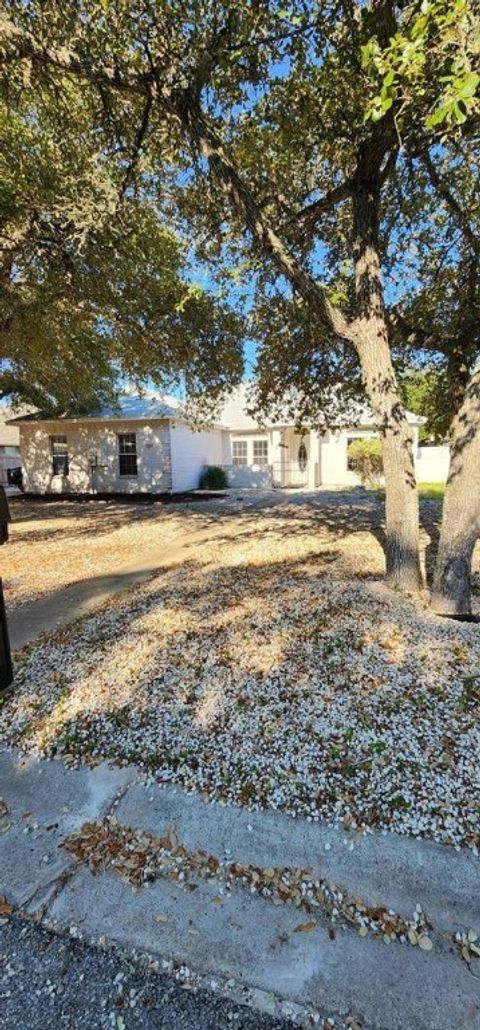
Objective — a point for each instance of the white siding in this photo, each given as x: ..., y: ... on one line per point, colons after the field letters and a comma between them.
x: 190, y: 452
x: 101, y: 439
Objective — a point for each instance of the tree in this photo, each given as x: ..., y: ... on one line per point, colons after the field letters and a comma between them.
x: 92, y: 285
x: 301, y: 117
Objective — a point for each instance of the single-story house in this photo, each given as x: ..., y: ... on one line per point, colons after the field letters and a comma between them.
x: 147, y: 445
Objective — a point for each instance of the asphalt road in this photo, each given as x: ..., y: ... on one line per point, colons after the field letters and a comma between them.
x: 51, y: 981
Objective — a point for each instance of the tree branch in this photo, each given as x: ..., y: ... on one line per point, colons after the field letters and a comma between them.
x: 201, y: 132
x: 452, y: 202
x: 137, y: 146
x: 184, y: 105
x: 414, y: 336
x: 311, y: 212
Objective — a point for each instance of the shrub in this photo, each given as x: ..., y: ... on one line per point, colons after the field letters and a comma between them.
x: 365, y: 458
x: 213, y: 477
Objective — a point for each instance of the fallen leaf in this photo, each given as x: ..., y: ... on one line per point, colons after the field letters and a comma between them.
x: 5, y: 906
x: 425, y: 943
x: 305, y: 927
x: 161, y: 918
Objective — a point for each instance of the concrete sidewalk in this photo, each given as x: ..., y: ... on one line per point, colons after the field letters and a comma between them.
x: 49, y: 612
x: 246, y: 946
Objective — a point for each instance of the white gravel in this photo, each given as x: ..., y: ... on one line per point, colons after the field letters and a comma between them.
x: 273, y: 670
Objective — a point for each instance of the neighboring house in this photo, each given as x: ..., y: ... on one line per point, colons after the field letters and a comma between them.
x: 9, y: 444
x: 148, y: 446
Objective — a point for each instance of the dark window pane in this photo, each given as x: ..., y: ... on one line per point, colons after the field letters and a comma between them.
x: 59, y: 449
x: 128, y: 464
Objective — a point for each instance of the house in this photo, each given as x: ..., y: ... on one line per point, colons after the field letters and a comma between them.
x: 9, y: 444
x: 148, y: 446
x: 278, y: 455
x: 145, y: 446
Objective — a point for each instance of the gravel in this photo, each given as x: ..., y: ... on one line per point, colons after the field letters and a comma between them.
x: 51, y: 981
x: 275, y: 670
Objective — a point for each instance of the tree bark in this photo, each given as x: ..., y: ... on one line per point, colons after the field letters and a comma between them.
x: 460, y: 528
x: 401, y: 499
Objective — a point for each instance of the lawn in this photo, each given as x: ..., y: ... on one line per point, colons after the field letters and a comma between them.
x: 432, y: 491
x: 274, y: 669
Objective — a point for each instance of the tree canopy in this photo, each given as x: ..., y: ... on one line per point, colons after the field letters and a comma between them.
x: 93, y: 283
x: 323, y: 156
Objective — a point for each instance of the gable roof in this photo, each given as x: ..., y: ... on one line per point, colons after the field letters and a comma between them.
x: 233, y: 415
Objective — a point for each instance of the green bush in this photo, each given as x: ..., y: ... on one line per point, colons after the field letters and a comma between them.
x: 213, y: 477
x: 365, y: 458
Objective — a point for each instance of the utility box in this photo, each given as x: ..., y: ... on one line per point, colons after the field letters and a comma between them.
x: 6, y: 671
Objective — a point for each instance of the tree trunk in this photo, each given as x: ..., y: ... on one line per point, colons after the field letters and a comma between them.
x: 368, y: 333
x: 401, y: 499
x: 461, y: 510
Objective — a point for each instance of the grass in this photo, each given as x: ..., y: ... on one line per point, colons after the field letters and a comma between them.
x: 432, y: 491
x: 429, y: 491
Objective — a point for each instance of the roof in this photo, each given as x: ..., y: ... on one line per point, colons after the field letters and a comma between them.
x: 145, y: 405
x: 233, y: 414
x: 132, y: 405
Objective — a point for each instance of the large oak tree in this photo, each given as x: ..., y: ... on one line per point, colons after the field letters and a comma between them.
x: 277, y: 127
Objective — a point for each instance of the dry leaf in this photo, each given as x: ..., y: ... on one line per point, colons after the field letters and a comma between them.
x: 161, y: 918
x: 5, y: 906
x: 425, y: 943
x: 305, y: 927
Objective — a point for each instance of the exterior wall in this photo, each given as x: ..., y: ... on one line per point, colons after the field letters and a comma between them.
x: 190, y: 452
x: 96, y: 438
x: 432, y: 463
x: 333, y: 466
x: 259, y: 477
x: 283, y: 467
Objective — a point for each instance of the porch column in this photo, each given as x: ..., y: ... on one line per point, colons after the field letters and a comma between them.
x: 313, y: 459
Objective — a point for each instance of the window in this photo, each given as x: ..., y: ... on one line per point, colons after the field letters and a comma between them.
x: 302, y: 457
x: 239, y: 452
x: 11, y: 452
x: 260, y: 452
x: 59, y: 450
x: 127, y: 454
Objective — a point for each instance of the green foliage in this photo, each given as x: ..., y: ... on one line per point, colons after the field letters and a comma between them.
x: 431, y: 59
x: 213, y: 477
x: 365, y: 458
x: 425, y: 392
x: 93, y: 284
x: 296, y: 96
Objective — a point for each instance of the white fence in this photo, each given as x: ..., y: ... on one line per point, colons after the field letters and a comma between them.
x: 432, y: 464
